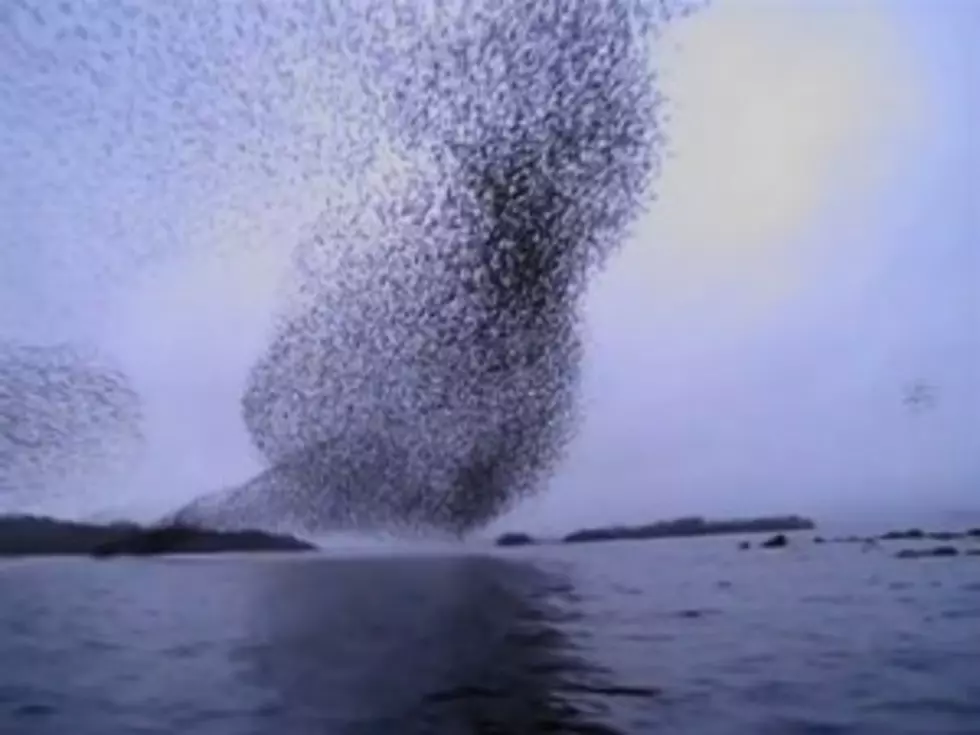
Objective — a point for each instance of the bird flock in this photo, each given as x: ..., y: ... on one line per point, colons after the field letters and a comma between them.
x: 422, y: 372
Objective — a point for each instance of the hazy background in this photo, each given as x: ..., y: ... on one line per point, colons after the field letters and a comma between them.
x: 813, y: 253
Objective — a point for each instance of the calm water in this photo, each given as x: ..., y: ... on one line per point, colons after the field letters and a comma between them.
x: 665, y: 636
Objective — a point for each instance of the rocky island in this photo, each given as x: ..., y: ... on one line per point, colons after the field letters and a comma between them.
x: 515, y: 539
x: 676, y: 528
x: 692, y: 526
x: 39, y: 536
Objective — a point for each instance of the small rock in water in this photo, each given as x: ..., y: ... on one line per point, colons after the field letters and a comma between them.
x: 776, y: 542
x: 515, y: 539
x: 923, y: 553
x: 912, y: 533
x: 694, y: 613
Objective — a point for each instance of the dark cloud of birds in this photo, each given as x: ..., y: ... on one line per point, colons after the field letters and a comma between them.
x: 66, y: 415
x: 423, y: 368
x: 432, y: 384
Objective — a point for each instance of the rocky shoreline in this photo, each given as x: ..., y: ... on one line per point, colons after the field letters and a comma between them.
x: 42, y: 536
x: 782, y: 525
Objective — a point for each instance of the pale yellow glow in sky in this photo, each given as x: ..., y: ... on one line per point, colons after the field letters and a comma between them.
x: 777, y: 109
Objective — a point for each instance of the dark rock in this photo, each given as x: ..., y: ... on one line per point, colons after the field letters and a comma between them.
x: 973, y: 552
x: 776, y: 542
x: 907, y: 535
x: 692, y: 613
x: 515, y: 539
x: 612, y: 691
x: 819, y: 540
x: 924, y: 553
x: 973, y: 533
x: 744, y: 546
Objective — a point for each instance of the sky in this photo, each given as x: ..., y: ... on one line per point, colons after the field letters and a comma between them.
x: 812, y: 252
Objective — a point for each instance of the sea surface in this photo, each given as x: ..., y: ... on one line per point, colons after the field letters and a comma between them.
x: 666, y: 636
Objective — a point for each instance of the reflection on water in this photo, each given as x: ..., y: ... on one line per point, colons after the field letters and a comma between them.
x: 690, y: 636
x: 445, y: 645
x: 380, y: 645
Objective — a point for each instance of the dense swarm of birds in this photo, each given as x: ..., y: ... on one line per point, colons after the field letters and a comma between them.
x: 65, y: 415
x: 432, y: 384
x: 423, y: 367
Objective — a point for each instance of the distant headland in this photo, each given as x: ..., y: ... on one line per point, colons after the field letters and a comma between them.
x: 40, y: 536
x: 676, y: 528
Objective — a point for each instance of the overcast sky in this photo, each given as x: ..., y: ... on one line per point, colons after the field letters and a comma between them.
x: 814, y: 251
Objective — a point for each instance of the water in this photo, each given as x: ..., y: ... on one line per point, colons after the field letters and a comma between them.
x: 687, y: 636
